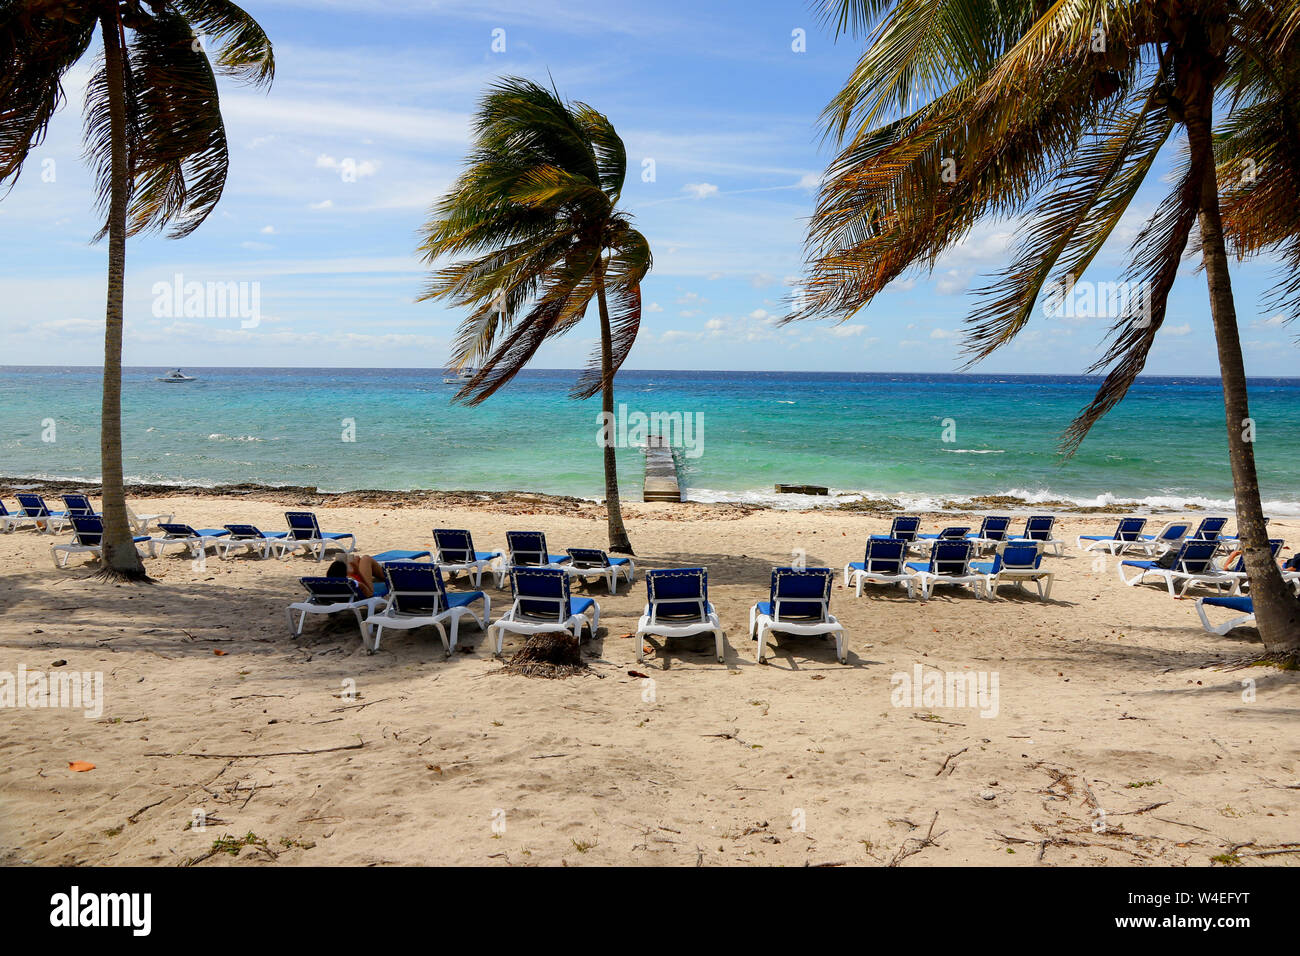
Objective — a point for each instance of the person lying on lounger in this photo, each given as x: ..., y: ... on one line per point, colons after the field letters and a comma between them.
x: 361, y: 568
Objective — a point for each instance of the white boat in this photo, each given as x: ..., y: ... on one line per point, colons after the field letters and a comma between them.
x: 461, y: 377
x: 176, y: 375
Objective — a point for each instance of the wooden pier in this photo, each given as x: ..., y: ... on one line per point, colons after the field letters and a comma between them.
x: 660, y: 471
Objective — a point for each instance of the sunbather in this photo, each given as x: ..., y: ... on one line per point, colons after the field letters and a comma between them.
x: 361, y: 568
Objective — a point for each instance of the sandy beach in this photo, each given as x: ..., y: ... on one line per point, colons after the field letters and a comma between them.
x: 1124, y: 734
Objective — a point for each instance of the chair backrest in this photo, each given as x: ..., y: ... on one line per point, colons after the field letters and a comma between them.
x: 905, y: 527
x: 1039, y: 527
x: 1128, y: 529
x: 954, y: 531
x: 174, y: 530
x: 453, y: 546
x: 87, y: 530
x: 994, y: 527
x: 1194, y: 557
x: 588, y: 557
x: 678, y: 592
x: 1209, y: 529
x: 33, y: 506
x: 950, y: 557
x: 4, y: 512
x: 303, y: 525
x: 1018, y: 557
x: 885, y: 556
x: 1174, y: 531
x: 1274, y: 544
x: 802, y: 594
x: 527, y: 548
x: 541, y: 593
x: 78, y: 504
x: 415, y: 587
x: 332, y: 590
x: 244, y: 531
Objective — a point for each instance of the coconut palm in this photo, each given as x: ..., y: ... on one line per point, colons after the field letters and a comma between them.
x: 154, y: 133
x: 1054, y: 112
x: 537, y: 209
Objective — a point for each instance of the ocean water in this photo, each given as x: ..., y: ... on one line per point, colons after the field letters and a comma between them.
x: 920, y: 438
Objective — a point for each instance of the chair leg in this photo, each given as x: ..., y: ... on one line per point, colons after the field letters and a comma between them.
x: 640, y: 646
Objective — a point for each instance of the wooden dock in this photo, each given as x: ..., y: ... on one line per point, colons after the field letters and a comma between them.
x: 660, y: 471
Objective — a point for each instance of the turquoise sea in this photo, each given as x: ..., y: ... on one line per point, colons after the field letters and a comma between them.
x: 875, y: 434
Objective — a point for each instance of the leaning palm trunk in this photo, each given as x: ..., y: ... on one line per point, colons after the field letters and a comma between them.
x: 618, y: 539
x: 1276, y: 609
x: 120, y: 557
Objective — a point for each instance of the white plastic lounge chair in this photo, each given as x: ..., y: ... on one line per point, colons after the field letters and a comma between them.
x: 1239, y: 604
x: 195, y: 542
x: 10, y: 520
x: 1237, y: 571
x: 140, y: 523
x: 305, y: 534
x: 587, y: 563
x: 42, y: 518
x: 993, y: 530
x: 1127, y: 532
x: 88, y: 538
x: 527, y: 549
x: 903, y: 528
x: 1038, y: 528
x: 951, y: 533
x: 331, y: 595
x: 1193, y: 565
x: 543, y: 605
x: 1210, y: 529
x: 949, y: 564
x: 799, y: 602
x: 252, y: 539
x: 418, y: 598
x: 1015, y: 563
x: 678, y: 607
x: 884, y: 563
x: 455, y: 552
x: 1171, y: 536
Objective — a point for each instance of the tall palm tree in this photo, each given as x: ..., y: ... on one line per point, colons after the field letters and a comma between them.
x: 153, y: 131
x: 1055, y: 112
x: 537, y: 209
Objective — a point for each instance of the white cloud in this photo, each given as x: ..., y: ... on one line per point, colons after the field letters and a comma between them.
x: 1274, y: 322
x: 1184, y: 329
x: 268, y: 230
x: 654, y: 307
x: 700, y: 190
x: 943, y: 334
x: 326, y: 204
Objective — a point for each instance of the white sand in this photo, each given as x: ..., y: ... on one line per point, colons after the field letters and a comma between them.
x: 1107, y: 694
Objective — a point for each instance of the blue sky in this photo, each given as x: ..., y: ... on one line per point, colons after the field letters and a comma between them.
x: 333, y: 172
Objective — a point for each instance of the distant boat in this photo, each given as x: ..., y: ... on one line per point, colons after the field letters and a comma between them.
x: 461, y: 377
x: 176, y: 375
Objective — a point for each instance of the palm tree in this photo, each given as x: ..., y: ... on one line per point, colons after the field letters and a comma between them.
x: 153, y: 131
x: 1055, y: 112
x: 537, y: 208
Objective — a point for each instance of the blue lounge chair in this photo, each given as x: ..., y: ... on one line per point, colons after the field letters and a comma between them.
x: 882, y: 564
x: 418, y: 598
x: 331, y: 595
x: 951, y: 533
x: 1038, y: 528
x: 1236, y: 534
x: 42, y: 518
x: 799, y: 602
x: 543, y: 604
x: 1127, y: 533
x: 1015, y: 563
x: 527, y: 549
x: 9, y: 520
x: 949, y: 564
x: 993, y: 530
x: 1194, y: 564
x: 1173, y: 534
x: 455, y: 552
x: 1243, y: 605
x: 391, y: 557
x: 305, y: 533
x: 1237, y: 571
x: 678, y: 606
x: 586, y: 563
x: 1210, y: 529
x: 252, y: 539
x: 78, y: 505
x: 196, y: 543
x: 902, y: 528
x: 88, y: 538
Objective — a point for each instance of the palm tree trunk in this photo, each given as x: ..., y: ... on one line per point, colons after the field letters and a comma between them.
x: 120, y: 557
x: 618, y: 539
x: 1277, y: 611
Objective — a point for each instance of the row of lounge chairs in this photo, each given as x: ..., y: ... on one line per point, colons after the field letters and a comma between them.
x: 32, y: 511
